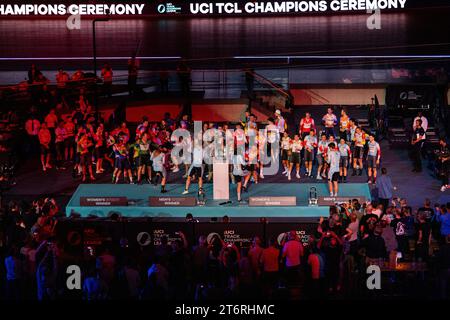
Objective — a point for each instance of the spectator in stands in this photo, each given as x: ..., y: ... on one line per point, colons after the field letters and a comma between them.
x: 385, y: 188
x: 444, y: 219
x: 269, y: 261
x: 444, y: 158
x: 292, y: 253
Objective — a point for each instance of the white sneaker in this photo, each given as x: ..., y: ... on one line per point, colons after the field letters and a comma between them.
x: 285, y: 171
x: 443, y: 188
x: 331, y: 194
x: 289, y: 176
x: 44, y: 168
x: 185, y: 192
x: 297, y: 175
x: 261, y: 176
x: 175, y: 170
x: 319, y: 177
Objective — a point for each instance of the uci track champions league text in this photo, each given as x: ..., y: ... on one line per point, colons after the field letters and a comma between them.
x: 199, y: 7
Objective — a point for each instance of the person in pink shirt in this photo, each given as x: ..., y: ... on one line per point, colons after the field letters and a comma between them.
x: 292, y: 253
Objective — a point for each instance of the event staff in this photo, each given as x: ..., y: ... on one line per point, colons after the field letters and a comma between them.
x: 444, y: 159
x: 417, y: 142
x: 306, y: 125
x: 373, y: 158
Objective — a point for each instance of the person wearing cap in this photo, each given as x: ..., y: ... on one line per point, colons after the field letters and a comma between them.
x: 279, y: 121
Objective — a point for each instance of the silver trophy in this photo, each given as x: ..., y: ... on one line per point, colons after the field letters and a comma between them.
x: 201, y: 197
x: 313, y: 197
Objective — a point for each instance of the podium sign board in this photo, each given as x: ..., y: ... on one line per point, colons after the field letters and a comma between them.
x: 103, y: 201
x: 221, y: 185
x: 173, y: 201
x: 272, y: 201
x: 331, y: 201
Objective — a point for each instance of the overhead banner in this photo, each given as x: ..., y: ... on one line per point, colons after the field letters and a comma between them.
x: 196, y: 8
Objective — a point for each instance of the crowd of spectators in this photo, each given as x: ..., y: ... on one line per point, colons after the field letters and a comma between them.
x: 330, y: 263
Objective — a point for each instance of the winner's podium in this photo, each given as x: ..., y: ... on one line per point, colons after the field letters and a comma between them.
x: 221, y: 185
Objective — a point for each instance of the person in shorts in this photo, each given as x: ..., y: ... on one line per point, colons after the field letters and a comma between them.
x: 373, y: 159
x: 84, y: 145
x: 322, y: 148
x: 143, y: 159
x: 158, y: 162
x: 295, y: 158
x: 333, y: 159
x: 285, y: 150
x: 310, y: 143
x: 239, y: 174
x: 196, y: 170
x: 358, y: 152
x: 345, y: 153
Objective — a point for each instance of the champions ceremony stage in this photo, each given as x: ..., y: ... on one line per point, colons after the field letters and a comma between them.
x: 89, y: 200
x: 141, y: 220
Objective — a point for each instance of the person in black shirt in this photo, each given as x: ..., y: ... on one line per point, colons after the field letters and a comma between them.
x: 427, y: 210
x: 417, y: 143
x: 444, y: 159
x: 423, y: 237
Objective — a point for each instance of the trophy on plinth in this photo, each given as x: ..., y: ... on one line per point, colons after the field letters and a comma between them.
x: 312, y: 201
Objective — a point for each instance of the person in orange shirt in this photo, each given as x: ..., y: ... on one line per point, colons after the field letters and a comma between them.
x: 84, y: 145
x: 45, y: 139
x: 344, y: 125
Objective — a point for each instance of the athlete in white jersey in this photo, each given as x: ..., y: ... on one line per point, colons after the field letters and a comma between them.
x: 373, y: 159
x: 296, y: 149
x: 285, y: 150
x: 346, y: 153
x: 310, y: 143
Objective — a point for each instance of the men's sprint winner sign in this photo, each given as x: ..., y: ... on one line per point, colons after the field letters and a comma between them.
x: 194, y: 8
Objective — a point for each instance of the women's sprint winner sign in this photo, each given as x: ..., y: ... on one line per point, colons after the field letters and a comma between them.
x: 195, y: 8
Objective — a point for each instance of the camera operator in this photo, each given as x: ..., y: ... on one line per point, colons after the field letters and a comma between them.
x: 444, y: 161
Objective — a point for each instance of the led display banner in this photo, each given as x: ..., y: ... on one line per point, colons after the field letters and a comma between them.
x: 195, y: 7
